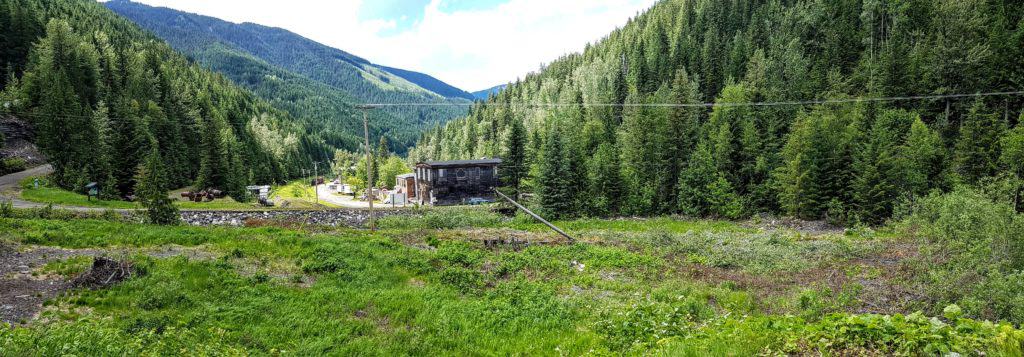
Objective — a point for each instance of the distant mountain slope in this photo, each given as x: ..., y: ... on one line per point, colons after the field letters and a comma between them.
x: 310, y: 80
x: 483, y: 94
x: 105, y: 98
x: 430, y: 83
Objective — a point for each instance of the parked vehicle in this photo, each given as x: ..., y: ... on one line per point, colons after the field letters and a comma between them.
x: 473, y: 201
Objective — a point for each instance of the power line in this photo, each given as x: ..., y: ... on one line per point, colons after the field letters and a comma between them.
x: 633, y: 105
x: 708, y: 105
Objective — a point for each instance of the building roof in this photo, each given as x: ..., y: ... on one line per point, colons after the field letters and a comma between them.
x: 461, y: 163
x: 408, y: 175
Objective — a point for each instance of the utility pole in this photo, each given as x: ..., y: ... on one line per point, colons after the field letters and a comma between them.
x: 369, y: 163
x: 316, y: 182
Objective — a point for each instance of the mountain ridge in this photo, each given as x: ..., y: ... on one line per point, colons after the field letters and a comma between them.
x: 314, y: 82
x: 258, y: 33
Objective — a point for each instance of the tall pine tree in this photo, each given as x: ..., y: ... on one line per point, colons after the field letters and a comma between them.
x: 513, y: 166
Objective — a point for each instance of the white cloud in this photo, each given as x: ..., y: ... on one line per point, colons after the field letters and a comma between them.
x: 470, y: 49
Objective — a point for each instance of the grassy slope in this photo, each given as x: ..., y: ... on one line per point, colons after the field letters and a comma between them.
x: 423, y: 290
x: 298, y: 194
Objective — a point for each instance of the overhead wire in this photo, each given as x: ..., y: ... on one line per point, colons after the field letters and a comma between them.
x: 655, y: 105
x: 720, y: 104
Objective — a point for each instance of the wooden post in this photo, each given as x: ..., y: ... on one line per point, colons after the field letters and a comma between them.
x: 369, y: 165
x: 542, y: 220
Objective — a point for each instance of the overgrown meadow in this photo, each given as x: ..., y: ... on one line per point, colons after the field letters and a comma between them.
x: 427, y: 285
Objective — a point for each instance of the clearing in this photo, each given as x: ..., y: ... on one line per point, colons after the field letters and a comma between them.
x: 467, y: 281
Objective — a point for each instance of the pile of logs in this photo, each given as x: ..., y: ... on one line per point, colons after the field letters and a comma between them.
x: 207, y: 194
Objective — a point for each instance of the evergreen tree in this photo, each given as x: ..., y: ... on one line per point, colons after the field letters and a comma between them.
x: 577, y: 178
x: 555, y: 194
x: 102, y: 168
x: 235, y: 176
x: 383, y: 150
x: 921, y: 160
x: 877, y: 176
x: 704, y: 190
x: 700, y: 172
x: 214, y: 159
x: 976, y: 155
x: 152, y: 191
x: 513, y: 166
x: 1012, y: 160
x: 605, y: 181
x: 818, y: 158
x: 683, y: 126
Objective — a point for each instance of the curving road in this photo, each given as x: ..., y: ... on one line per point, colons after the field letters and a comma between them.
x: 9, y: 185
x: 9, y: 190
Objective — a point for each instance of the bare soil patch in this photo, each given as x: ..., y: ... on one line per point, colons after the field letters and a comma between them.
x: 23, y: 291
x: 771, y: 223
x: 883, y: 280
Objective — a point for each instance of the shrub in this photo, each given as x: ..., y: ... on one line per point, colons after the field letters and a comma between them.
x: 6, y: 209
x: 11, y: 165
x: 909, y: 335
x: 973, y: 248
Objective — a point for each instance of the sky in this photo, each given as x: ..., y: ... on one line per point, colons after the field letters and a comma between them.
x: 471, y: 44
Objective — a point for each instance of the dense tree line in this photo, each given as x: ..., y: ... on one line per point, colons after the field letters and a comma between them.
x: 103, y: 95
x: 847, y: 161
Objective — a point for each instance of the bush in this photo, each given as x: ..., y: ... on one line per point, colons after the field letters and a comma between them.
x: 12, y: 165
x: 162, y: 211
x: 973, y: 249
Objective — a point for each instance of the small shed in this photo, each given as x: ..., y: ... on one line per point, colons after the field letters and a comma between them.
x: 441, y: 183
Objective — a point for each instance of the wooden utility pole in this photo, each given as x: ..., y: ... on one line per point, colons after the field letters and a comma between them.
x: 539, y: 218
x: 369, y: 163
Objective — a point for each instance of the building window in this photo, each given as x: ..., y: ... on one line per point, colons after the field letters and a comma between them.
x: 460, y: 174
x: 440, y: 173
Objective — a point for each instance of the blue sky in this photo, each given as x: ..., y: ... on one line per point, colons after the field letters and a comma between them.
x: 408, y: 13
x: 472, y: 44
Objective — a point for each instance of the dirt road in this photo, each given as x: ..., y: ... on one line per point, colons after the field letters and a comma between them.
x: 328, y: 195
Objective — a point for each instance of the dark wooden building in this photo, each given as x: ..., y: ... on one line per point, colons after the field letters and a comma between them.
x: 442, y: 183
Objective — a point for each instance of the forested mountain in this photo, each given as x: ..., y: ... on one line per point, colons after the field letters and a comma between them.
x: 103, y: 94
x: 486, y: 93
x: 312, y: 81
x: 610, y: 146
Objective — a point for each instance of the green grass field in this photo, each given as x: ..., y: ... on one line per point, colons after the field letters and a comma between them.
x: 61, y: 197
x: 427, y: 286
